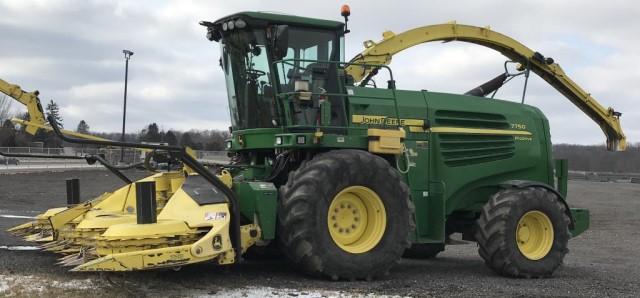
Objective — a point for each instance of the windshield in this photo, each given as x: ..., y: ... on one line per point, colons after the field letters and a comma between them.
x: 303, y: 67
x: 308, y: 44
x: 246, y: 68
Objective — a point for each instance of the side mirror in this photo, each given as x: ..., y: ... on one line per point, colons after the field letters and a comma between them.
x: 280, y: 41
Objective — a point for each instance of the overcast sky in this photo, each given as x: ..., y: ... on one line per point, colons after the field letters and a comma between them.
x: 72, y: 52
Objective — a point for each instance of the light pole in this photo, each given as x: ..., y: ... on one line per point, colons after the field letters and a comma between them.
x: 127, y: 56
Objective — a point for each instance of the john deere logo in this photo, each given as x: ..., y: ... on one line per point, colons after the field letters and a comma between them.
x: 386, y: 121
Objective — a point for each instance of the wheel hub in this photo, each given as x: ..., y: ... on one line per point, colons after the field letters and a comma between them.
x: 534, y: 235
x: 356, y: 219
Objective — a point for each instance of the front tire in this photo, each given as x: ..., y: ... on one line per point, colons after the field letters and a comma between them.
x: 523, y: 232
x: 345, y: 214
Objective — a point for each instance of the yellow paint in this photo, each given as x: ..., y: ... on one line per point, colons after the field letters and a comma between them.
x: 182, y: 207
x: 139, y: 260
x: 34, y: 126
x: 356, y: 219
x: 381, y: 53
x: 417, y: 129
x: 58, y: 220
x: 29, y: 99
x: 78, y: 225
x: 386, y: 141
x: 226, y: 178
x: 133, y: 230
x: 534, y: 235
x: 464, y: 130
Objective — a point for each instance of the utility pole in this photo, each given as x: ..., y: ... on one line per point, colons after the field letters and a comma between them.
x: 127, y: 56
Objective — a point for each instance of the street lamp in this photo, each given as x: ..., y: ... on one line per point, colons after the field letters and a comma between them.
x: 127, y: 56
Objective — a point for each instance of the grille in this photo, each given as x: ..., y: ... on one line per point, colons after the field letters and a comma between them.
x: 471, y: 119
x: 460, y: 149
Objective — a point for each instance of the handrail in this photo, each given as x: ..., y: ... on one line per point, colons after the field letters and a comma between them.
x: 382, y: 51
x: 90, y: 159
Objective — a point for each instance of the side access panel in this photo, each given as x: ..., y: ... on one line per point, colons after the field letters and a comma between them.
x: 427, y: 196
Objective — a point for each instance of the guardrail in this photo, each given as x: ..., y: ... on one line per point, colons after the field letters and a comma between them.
x: 604, y: 176
x: 112, y: 155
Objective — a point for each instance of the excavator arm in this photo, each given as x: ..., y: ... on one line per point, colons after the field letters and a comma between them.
x: 29, y: 99
x: 37, y: 119
x: 380, y: 53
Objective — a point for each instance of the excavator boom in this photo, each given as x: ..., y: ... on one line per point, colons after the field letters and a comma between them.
x: 380, y: 53
x: 29, y: 99
x: 37, y: 119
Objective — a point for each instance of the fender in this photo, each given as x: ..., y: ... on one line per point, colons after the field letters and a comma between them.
x: 521, y: 184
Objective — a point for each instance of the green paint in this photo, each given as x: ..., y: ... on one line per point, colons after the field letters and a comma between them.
x: 581, y: 221
x: 453, y: 172
x: 285, y: 19
x: 259, y: 201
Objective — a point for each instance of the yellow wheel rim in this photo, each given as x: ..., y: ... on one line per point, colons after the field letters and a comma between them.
x: 356, y: 219
x: 534, y: 235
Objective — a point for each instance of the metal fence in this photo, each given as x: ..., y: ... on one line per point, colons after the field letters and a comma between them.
x: 604, y: 176
x: 112, y: 155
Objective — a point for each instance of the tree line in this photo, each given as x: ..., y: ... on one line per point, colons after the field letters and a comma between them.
x: 596, y: 158
x: 12, y: 135
x: 581, y: 157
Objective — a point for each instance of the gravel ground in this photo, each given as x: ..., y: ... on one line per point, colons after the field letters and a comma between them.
x: 604, y: 261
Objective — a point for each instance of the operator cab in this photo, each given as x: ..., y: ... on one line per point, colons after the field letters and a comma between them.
x: 279, y: 69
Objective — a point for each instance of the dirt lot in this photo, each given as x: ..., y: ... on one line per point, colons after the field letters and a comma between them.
x: 605, y: 261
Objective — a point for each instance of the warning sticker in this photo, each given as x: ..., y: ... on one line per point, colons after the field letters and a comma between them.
x: 214, y: 215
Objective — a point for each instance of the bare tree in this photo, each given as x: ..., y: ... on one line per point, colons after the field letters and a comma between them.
x: 5, y: 108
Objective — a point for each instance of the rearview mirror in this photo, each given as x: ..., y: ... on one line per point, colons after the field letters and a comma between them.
x: 280, y: 41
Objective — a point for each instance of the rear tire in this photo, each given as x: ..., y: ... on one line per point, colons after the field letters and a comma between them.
x: 308, y: 227
x: 523, y: 232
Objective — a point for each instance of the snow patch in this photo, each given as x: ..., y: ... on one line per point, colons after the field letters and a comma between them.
x: 4, y: 286
x: 16, y: 216
x: 19, y: 247
x: 25, y: 284
x: 269, y: 292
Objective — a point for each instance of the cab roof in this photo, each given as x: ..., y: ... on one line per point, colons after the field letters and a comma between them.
x: 264, y: 18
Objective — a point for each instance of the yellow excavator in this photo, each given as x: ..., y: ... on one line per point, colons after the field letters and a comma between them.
x: 194, y: 224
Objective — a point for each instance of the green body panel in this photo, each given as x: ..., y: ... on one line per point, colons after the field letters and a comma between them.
x: 458, y: 149
x: 580, y: 221
x: 452, y: 172
x: 259, y: 201
x: 562, y: 176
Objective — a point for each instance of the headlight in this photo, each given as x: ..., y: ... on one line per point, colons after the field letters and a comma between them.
x: 278, y: 140
x: 240, y: 24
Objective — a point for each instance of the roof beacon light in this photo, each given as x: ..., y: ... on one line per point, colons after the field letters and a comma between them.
x: 345, y: 11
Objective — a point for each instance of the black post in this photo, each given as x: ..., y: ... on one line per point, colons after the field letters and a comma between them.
x: 146, y: 202
x: 127, y: 56
x: 73, y: 191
